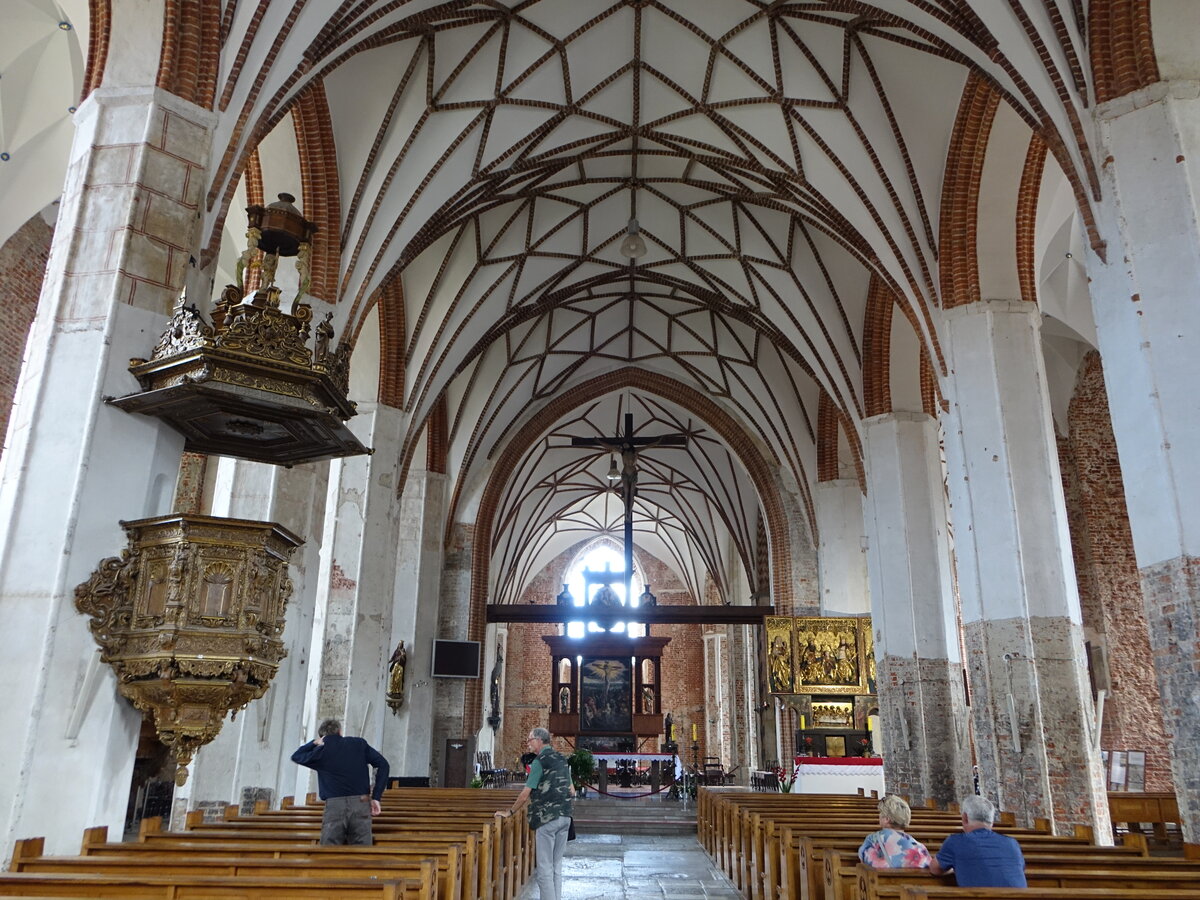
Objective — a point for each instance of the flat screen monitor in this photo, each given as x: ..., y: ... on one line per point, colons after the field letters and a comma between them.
x: 455, y: 659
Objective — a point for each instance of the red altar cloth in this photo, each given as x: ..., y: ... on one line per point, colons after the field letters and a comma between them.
x: 838, y: 761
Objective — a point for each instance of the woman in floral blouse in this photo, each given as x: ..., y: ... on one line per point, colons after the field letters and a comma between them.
x: 892, y: 847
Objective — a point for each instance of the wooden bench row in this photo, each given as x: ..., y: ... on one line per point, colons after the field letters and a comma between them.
x: 423, y: 851
x: 805, y: 848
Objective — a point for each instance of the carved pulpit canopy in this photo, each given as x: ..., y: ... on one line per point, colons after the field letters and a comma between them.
x: 253, y: 382
x: 191, y: 618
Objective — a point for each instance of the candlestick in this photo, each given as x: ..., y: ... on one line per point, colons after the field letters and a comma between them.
x: 801, y: 721
x: 870, y: 724
x: 694, y: 732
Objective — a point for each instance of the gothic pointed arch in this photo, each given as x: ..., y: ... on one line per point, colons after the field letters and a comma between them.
x: 759, y: 467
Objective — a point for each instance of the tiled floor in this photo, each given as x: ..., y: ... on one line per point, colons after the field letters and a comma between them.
x: 638, y: 867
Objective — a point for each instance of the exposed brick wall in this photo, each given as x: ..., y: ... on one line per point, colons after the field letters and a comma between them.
x: 22, y: 267
x: 1110, y: 588
x: 1172, y: 590
x: 527, y: 666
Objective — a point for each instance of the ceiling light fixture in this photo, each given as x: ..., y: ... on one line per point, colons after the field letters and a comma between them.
x: 633, y: 246
x: 614, y: 474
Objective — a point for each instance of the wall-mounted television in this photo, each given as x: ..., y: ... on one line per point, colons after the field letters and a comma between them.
x: 455, y: 659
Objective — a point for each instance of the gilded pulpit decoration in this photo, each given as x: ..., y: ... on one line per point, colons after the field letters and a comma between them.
x: 191, y: 619
x: 252, y: 381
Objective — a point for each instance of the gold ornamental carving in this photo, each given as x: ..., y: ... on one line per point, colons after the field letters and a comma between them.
x: 256, y: 379
x: 819, y: 655
x: 190, y: 616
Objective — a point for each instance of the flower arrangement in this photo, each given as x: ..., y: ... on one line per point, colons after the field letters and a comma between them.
x: 784, y: 778
x: 864, y: 746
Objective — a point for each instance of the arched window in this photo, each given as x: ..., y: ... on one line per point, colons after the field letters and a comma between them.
x: 596, y: 559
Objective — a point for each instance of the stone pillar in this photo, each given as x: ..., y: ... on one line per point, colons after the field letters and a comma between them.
x: 73, y: 466
x: 743, y: 669
x: 408, y: 736
x: 1031, y: 702
x: 451, y: 718
x: 352, y: 629
x: 251, y: 758
x: 840, y: 554
x: 923, y: 714
x: 1147, y: 311
x: 716, y: 697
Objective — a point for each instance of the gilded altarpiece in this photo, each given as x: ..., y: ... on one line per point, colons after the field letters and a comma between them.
x: 819, y: 655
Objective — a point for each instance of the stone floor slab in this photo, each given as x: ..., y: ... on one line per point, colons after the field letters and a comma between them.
x: 638, y: 867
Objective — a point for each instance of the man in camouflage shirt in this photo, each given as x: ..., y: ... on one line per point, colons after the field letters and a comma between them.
x: 549, y: 791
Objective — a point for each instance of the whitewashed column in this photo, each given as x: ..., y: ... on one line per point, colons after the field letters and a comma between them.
x: 352, y: 627
x: 923, y: 714
x: 716, y: 698
x: 409, y: 736
x: 840, y: 553
x: 251, y: 758
x: 73, y: 466
x: 1146, y: 302
x: 1031, y: 701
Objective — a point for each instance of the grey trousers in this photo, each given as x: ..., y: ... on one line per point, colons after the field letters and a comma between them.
x: 347, y: 820
x: 550, y: 842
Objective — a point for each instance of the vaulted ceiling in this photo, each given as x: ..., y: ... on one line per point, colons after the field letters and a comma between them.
x: 480, y: 162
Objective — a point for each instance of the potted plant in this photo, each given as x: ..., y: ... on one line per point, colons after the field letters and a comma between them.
x: 583, y: 769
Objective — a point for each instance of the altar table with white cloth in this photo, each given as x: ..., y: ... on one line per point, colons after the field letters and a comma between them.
x: 837, y: 775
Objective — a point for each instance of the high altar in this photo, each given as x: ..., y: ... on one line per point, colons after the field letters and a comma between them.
x: 607, y: 687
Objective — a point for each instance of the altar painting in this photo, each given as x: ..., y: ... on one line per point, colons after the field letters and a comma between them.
x: 605, y: 694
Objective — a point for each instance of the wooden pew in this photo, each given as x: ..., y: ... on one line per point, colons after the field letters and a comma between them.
x: 806, y: 856
x: 485, y: 863
x: 1158, y: 874
x: 932, y: 892
x: 206, y: 887
x: 1158, y: 810
x: 437, y: 871
x: 507, y: 853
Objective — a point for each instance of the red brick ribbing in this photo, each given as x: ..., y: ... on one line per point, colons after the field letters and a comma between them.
x: 759, y: 467
x: 877, y: 353
x: 100, y: 26
x: 320, y: 190
x: 827, y: 439
x: 191, y: 50
x: 877, y: 348
x: 437, y: 437
x: 960, y: 192
x: 253, y: 178
x: 1122, y: 47
x: 392, y: 357
x: 1027, y: 204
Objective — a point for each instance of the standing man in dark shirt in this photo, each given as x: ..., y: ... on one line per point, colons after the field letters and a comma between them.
x: 979, y: 856
x: 344, y: 782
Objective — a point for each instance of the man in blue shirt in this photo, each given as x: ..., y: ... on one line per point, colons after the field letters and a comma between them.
x: 979, y: 856
x: 344, y: 782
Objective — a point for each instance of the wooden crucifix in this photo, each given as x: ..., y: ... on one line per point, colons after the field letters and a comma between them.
x: 629, y: 447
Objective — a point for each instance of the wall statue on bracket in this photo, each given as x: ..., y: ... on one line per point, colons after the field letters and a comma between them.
x: 395, y: 679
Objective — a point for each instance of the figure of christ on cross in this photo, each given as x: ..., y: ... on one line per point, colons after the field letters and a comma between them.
x: 629, y: 447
